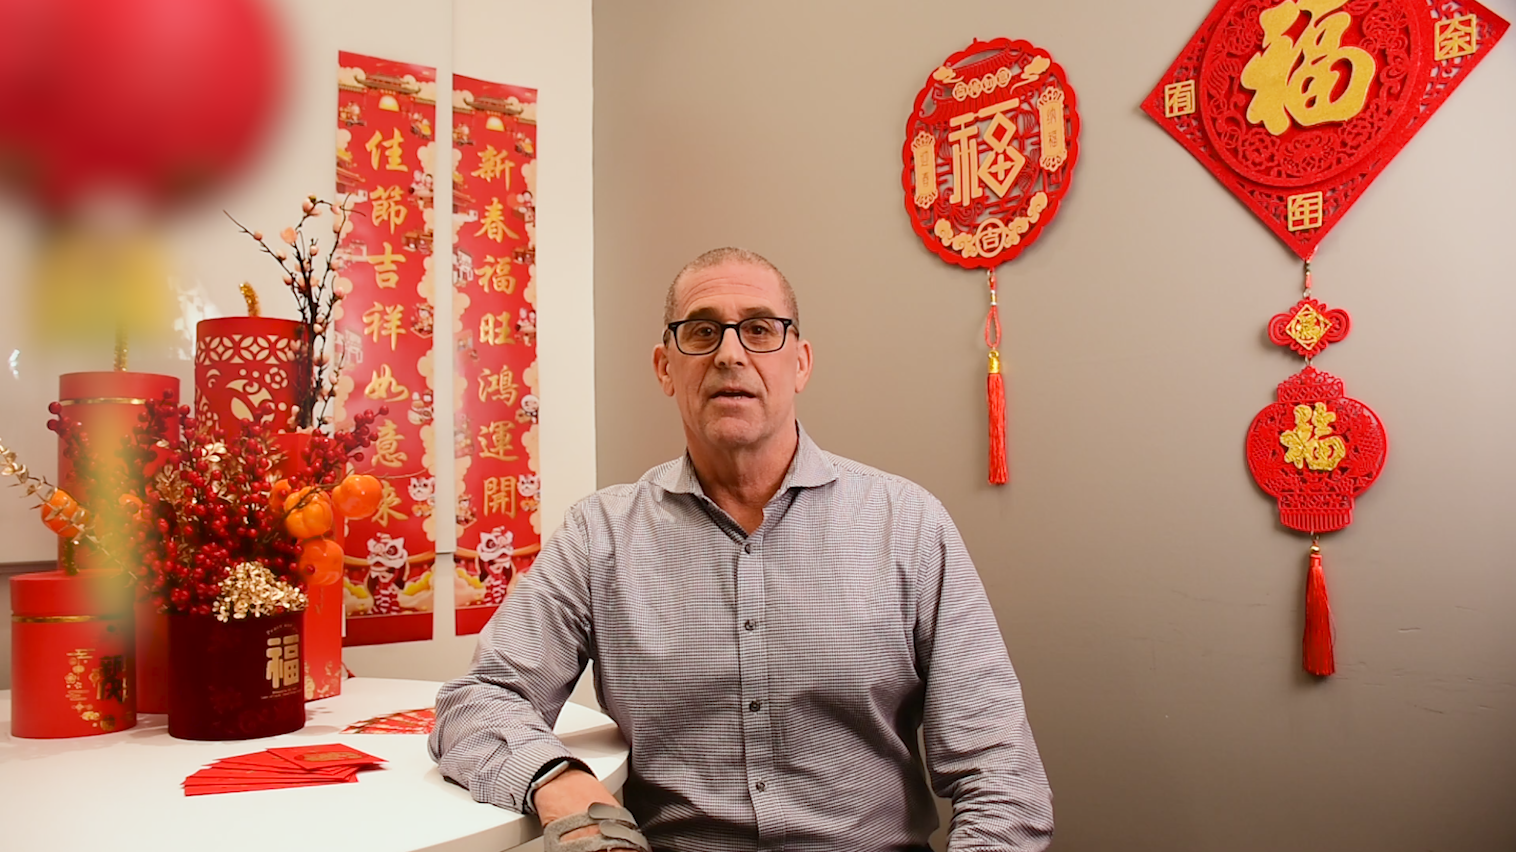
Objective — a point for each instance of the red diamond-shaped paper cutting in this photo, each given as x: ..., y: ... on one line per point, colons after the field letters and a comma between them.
x: 1296, y: 106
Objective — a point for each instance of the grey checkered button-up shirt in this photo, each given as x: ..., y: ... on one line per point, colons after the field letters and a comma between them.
x: 770, y: 685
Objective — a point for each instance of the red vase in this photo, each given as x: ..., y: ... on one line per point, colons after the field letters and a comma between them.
x: 322, y: 651
x: 235, y: 680
x: 71, y: 654
x: 152, y: 658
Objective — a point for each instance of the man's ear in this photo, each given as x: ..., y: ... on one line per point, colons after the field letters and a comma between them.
x: 661, y: 369
x: 803, y: 366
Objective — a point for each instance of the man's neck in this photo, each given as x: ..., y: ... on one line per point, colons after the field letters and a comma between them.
x: 743, y: 481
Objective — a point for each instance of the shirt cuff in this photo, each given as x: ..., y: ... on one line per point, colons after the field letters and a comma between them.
x: 516, y: 776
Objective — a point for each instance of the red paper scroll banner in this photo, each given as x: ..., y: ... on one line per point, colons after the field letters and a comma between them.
x: 989, y: 152
x: 386, y: 157
x: 495, y: 368
x: 1296, y: 106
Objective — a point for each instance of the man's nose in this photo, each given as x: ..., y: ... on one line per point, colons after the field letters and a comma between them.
x: 730, y: 351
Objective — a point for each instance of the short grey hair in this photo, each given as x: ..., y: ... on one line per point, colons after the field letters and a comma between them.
x: 725, y: 255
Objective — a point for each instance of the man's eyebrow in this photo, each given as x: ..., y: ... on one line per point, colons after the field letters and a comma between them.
x: 713, y: 314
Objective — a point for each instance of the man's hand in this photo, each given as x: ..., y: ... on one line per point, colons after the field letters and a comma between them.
x: 572, y: 792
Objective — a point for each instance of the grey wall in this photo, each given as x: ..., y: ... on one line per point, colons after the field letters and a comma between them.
x: 1150, y: 599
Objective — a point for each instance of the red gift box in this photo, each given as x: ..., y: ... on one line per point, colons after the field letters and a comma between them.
x: 72, y: 653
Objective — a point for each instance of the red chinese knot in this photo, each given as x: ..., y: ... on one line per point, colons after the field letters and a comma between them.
x: 1315, y: 450
x: 989, y: 151
x: 1309, y: 327
x: 1296, y: 106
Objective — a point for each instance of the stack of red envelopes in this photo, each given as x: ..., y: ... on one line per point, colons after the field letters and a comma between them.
x: 277, y: 768
x: 404, y: 722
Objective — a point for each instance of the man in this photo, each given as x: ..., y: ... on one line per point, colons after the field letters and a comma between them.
x: 770, y: 625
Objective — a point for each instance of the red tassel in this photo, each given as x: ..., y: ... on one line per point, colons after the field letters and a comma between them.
x: 995, y: 392
x: 1317, y: 647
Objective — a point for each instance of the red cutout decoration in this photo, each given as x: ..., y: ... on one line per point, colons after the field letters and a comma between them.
x: 243, y: 362
x: 989, y: 151
x: 1309, y: 327
x: 1296, y: 106
x: 1315, y: 450
x: 990, y: 147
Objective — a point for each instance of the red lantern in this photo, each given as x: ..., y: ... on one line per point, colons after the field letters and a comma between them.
x: 160, y: 98
x: 1315, y: 450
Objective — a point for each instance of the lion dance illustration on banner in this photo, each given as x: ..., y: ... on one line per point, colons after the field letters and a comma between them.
x: 383, y: 338
x: 1296, y: 107
x: 990, y: 147
x: 495, y: 329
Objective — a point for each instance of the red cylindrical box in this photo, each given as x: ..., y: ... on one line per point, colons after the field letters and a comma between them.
x: 237, y: 679
x: 105, y: 407
x: 243, y: 362
x: 72, y: 652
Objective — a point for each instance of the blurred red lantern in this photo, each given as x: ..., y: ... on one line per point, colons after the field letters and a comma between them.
x: 160, y: 99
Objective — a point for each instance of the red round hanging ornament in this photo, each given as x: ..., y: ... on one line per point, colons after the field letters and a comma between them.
x: 989, y: 151
x: 1315, y: 450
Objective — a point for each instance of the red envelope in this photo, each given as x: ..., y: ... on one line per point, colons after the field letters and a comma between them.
x: 254, y: 776
x: 332, y: 754
x: 270, y: 763
x: 205, y: 789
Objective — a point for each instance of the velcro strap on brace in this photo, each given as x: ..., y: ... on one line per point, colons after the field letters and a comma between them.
x: 618, y: 830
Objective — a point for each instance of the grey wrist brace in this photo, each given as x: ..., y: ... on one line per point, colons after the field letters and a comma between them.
x: 618, y: 830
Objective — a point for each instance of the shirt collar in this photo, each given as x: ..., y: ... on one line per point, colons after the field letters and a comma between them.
x: 810, y: 468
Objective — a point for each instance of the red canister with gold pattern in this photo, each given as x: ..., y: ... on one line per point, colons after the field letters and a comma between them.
x: 72, y: 652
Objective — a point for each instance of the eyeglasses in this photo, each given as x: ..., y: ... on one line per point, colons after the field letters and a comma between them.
x: 756, y: 334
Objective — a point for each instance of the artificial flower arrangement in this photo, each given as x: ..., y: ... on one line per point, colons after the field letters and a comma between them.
x: 227, y: 521
x: 221, y: 521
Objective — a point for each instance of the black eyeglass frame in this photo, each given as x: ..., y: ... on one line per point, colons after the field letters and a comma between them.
x: 673, y: 332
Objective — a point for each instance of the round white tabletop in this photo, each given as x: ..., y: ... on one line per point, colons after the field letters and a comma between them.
x: 122, y: 790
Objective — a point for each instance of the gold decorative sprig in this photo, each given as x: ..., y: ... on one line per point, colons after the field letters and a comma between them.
x: 36, y: 486
x: 123, y: 348
x: 252, y: 591
x: 250, y: 296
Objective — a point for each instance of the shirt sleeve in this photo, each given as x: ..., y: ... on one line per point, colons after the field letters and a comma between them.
x: 495, y: 725
x: 979, y: 747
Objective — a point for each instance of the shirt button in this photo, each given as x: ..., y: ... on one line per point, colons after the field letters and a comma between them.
x: 755, y: 705
x: 760, y: 786
x: 749, y: 625
x: 747, y: 548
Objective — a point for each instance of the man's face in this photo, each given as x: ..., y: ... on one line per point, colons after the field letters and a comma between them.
x: 733, y: 399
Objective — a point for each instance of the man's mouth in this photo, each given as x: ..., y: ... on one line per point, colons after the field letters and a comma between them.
x: 731, y: 393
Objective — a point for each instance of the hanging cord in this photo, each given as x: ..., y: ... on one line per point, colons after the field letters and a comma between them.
x: 1308, y: 293
x: 999, y: 473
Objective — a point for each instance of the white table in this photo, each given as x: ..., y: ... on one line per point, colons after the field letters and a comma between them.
x: 122, y: 790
